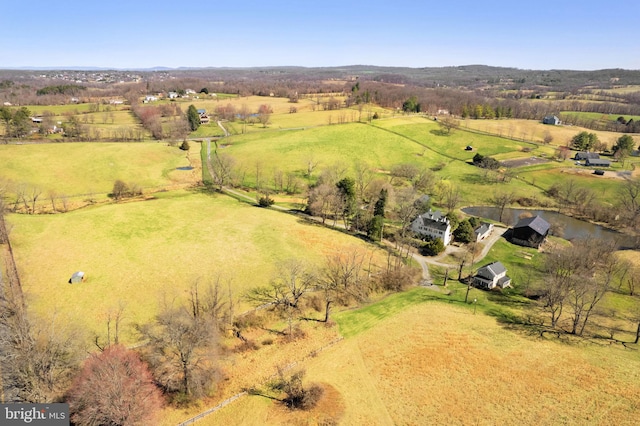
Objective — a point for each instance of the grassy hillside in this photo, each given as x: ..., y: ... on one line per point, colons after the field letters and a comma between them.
x: 433, y: 363
x: 83, y: 168
x: 137, y: 253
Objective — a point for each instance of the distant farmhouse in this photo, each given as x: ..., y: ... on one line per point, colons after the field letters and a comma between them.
x: 204, y: 118
x: 434, y: 225
x: 551, y: 119
x: 491, y: 276
x: 530, y: 232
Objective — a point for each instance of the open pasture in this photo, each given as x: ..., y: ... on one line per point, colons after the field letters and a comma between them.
x: 382, y: 145
x: 137, y: 253
x: 327, y: 145
x: 252, y: 103
x: 91, y: 168
x: 437, y: 363
x: 606, y: 188
x: 598, y: 116
x: 533, y: 130
x: 429, y: 134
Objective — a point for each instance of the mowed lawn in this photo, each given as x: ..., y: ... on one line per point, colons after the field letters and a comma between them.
x: 436, y: 363
x: 138, y: 253
x: 81, y: 168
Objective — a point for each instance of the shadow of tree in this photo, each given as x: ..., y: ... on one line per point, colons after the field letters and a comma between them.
x: 439, y: 132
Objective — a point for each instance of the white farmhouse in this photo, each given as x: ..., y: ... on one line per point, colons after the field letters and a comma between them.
x: 432, y: 224
x: 491, y: 276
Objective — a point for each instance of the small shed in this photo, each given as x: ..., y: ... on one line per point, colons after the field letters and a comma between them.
x: 551, y: 119
x: 77, y: 277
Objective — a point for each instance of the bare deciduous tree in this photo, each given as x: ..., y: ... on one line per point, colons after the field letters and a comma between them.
x: 222, y: 168
x: 114, y: 387
x: 292, y: 280
x: 405, y: 207
x: 502, y: 200
x: 181, y: 350
x: 39, y: 356
x: 578, y: 278
x: 343, y: 279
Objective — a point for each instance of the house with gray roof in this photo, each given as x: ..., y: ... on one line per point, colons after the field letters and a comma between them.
x: 597, y: 162
x: 491, y: 276
x: 551, y: 119
x: 530, y: 231
x: 582, y: 155
x: 483, y: 231
x: 434, y: 225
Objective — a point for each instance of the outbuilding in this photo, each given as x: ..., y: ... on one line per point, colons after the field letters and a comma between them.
x: 77, y: 277
x: 530, y: 231
x: 597, y: 162
x: 551, y: 119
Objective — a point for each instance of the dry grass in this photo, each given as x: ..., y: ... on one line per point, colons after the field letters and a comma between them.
x: 138, y: 252
x: 533, y: 130
x: 438, y: 364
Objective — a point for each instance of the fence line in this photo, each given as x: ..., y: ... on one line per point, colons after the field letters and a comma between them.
x: 235, y: 397
x: 13, y: 278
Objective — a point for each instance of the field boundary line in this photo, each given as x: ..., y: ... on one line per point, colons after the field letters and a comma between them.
x: 237, y: 396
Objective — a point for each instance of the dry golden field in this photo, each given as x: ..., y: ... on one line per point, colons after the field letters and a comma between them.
x: 439, y: 364
x: 140, y: 252
x: 532, y: 130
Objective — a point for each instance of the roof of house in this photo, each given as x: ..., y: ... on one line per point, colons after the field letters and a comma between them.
x: 492, y: 270
x: 435, y: 220
x: 598, y: 162
x: 483, y: 228
x: 584, y: 155
x: 434, y: 224
x: 433, y: 215
x: 202, y: 111
x: 536, y: 223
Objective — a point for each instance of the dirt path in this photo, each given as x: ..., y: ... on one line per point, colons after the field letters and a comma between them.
x: 425, y: 261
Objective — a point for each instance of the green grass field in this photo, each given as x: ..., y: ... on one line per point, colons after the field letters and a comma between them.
x: 139, y: 252
x: 83, y: 168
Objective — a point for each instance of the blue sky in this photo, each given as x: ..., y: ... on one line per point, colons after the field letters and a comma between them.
x: 561, y: 34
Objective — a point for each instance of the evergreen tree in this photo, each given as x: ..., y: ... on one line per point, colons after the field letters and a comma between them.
x: 374, y: 228
x: 378, y: 208
x: 193, y: 118
x: 347, y: 188
x: 464, y: 232
x: 584, y: 141
x: 624, y: 143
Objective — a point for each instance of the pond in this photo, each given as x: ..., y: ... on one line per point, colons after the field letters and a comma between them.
x: 562, y: 225
x: 184, y: 168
